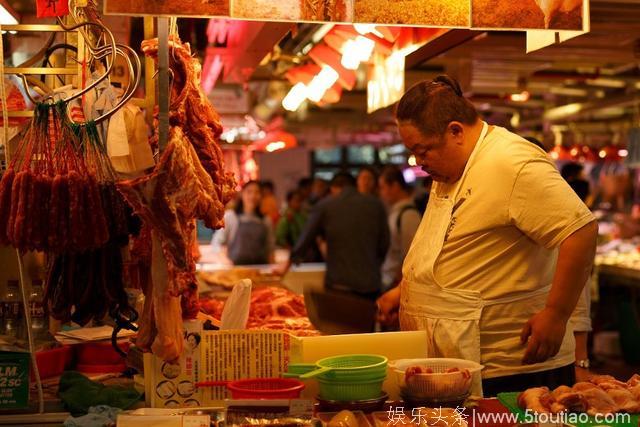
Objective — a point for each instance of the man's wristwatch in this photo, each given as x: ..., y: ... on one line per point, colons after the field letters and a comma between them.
x: 584, y: 363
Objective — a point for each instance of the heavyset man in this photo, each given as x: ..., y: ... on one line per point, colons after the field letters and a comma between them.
x: 503, y: 251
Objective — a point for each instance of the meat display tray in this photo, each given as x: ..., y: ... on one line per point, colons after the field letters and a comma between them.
x: 510, y: 401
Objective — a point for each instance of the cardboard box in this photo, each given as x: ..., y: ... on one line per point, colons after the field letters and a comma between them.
x: 14, y: 378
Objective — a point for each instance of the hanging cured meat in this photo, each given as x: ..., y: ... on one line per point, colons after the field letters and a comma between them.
x: 50, y: 199
x: 85, y: 285
x: 188, y: 183
x: 168, y: 200
x: 191, y: 110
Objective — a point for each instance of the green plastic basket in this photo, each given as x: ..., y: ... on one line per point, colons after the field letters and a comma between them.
x: 368, y: 375
x: 350, y: 391
x: 352, y: 364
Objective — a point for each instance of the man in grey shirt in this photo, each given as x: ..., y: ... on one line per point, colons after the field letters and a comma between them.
x: 404, y: 219
x: 355, y: 229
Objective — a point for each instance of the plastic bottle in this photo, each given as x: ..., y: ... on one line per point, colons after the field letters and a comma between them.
x: 12, y: 309
x: 39, y: 325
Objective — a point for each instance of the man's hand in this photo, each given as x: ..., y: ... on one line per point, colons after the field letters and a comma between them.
x: 543, y: 335
x: 389, y: 306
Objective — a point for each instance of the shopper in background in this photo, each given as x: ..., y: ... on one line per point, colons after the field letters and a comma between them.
x: 403, y: 219
x: 319, y: 190
x: 368, y: 181
x: 421, y: 198
x: 247, y: 234
x: 503, y: 251
x: 292, y: 222
x: 304, y: 188
x: 355, y: 228
x: 269, y: 203
x: 572, y: 173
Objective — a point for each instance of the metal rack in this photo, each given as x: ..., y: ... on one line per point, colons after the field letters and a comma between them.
x: 148, y: 102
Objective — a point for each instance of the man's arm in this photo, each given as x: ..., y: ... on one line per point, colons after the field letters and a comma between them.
x: 545, y: 331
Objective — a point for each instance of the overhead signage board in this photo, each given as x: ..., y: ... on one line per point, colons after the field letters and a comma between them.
x: 192, y: 8
x: 558, y: 15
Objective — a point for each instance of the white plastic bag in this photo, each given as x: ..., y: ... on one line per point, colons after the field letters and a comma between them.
x: 236, y: 310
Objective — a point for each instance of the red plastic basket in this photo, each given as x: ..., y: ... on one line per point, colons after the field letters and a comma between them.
x: 266, y: 388
x: 52, y: 363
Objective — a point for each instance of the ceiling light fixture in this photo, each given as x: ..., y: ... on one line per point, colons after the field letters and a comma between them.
x: 275, y: 146
x: 365, y: 29
x: 356, y: 51
x: 604, y: 82
x: 520, y: 97
x: 326, y: 78
x: 295, y: 97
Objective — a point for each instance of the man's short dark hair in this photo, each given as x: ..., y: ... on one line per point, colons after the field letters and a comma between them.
x: 571, y: 170
x: 342, y: 180
x: 431, y: 105
x: 392, y: 174
x: 305, y: 183
x: 268, y: 185
x: 291, y: 194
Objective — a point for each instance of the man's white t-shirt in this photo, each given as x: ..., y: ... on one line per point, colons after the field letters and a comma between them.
x: 513, y: 212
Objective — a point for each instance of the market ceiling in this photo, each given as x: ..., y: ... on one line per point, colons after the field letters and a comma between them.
x: 596, y: 74
x: 587, y: 86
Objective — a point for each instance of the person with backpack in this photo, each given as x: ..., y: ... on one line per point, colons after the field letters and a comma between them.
x: 403, y: 219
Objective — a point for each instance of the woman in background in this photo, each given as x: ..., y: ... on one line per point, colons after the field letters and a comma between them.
x: 247, y: 235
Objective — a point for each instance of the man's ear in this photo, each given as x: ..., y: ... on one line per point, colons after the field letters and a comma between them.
x: 456, y: 130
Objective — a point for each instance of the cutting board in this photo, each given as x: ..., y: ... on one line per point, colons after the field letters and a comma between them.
x: 510, y: 401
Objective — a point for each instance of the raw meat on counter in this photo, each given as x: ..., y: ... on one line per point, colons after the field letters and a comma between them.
x: 271, y: 308
x: 188, y: 183
x: 603, y: 394
x: 416, y: 370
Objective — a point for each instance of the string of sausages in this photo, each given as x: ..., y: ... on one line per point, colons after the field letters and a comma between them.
x: 49, y: 199
x: 59, y: 196
x: 85, y: 285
